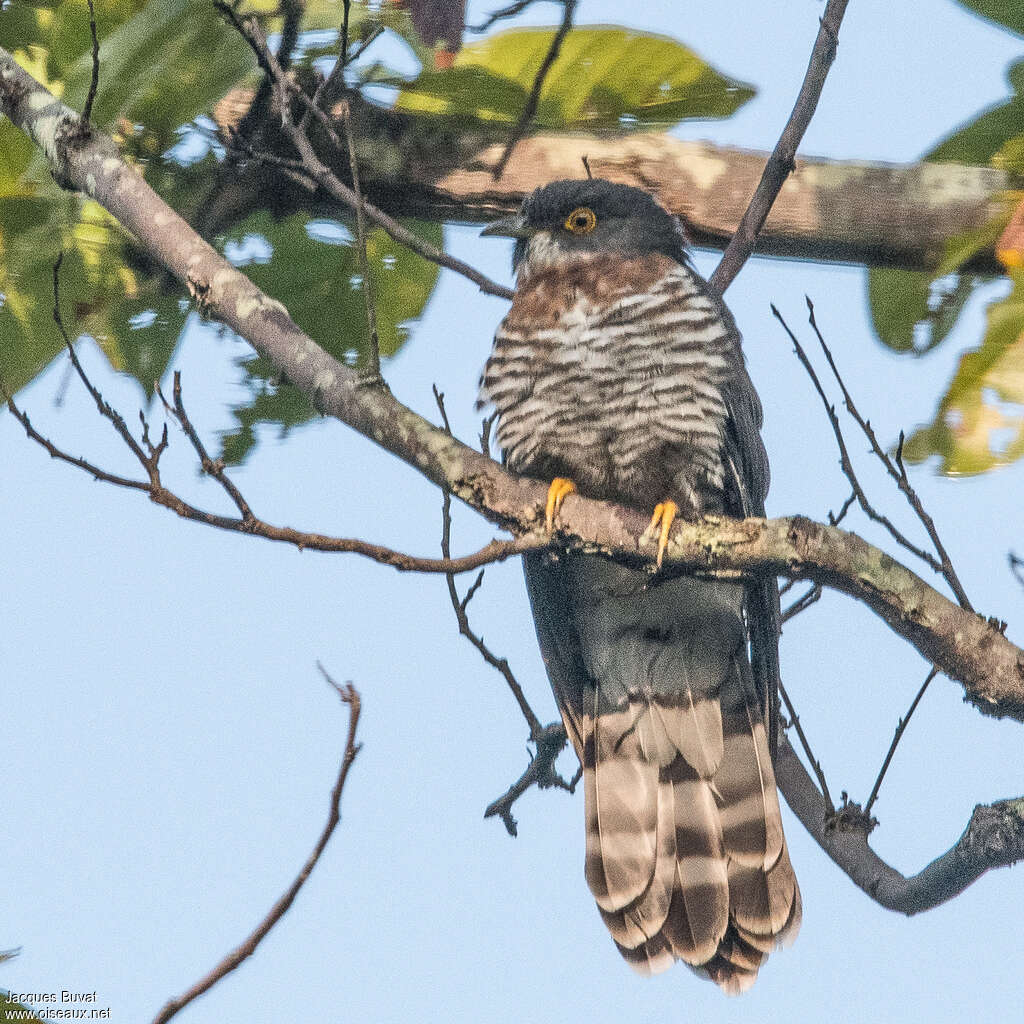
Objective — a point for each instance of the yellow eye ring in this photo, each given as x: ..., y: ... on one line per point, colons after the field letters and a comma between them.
x: 581, y: 221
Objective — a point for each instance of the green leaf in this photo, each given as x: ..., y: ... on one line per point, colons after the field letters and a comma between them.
x: 911, y: 312
x: 314, y: 271
x: 980, y: 422
x: 104, y: 292
x: 983, y: 138
x: 914, y: 310
x: 604, y: 77
x: 1007, y: 13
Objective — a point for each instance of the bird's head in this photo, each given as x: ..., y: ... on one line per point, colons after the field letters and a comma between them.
x: 573, y: 219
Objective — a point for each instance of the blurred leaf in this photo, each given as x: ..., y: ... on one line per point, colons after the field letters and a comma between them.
x: 603, y: 78
x: 914, y: 310
x: 314, y: 271
x: 1007, y: 13
x: 980, y: 422
x: 122, y: 305
x: 983, y: 138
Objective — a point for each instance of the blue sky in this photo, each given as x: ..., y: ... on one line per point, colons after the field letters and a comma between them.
x: 169, y: 745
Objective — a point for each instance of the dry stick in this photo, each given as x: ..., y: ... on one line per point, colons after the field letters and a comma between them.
x: 459, y: 605
x: 802, y: 603
x: 549, y: 739
x: 896, y: 470
x: 844, y: 457
x: 994, y: 837
x: 815, y: 763
x: 568, y: 10
x: 781, y: 162
x: 94, y: 82
x: 349, y: 696
x: 495, y: 551
x: 835, y: 520
x: 900, y: 729
x: 337, y: 73
x: 374, y: 376
x: 1016, y: 567
x: 326, y: 178
x: 211, y: 467
x: 505, y: 12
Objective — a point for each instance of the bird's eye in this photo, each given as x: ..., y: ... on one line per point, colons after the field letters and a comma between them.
x: 581, y: 221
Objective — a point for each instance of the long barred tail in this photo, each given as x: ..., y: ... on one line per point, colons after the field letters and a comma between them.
x: 685, y: 851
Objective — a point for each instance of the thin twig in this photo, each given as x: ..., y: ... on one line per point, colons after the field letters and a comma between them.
x: 373, y: 374
x: 94, y: 82
x: 845, y: 461
x: 505, y: 12
x: 836, y: 519
x: 326, y: 178
x: 1016, y: 567
x: 248, y: 523
x: 568, y: 10
x: 900, y: 729
x: 803, y: 602
x: 896, y: 470
x: 212, y: 467
x: 781, y: 162
x: 459, y: 604
x: 815, y: 764
x: 540, y: 772
x: 349, y: 696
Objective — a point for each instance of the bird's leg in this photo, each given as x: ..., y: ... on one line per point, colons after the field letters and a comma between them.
x: 560, y: 487
x: 664, y: 515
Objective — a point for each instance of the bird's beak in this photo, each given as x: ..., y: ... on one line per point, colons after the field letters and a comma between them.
x: 509, y: 227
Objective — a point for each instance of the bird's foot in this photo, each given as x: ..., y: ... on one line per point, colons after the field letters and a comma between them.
x: 661, y: 522
x: 560, y: 487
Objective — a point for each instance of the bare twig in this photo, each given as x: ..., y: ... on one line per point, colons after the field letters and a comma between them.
x: 373, y: 374
x: 1016, y: 567
x: 540, y: 773
x: 459, y: 605
x: 248, y: 522
x: 845, y: 461
x: 781, y: 162
x: 530, y: 108
x: 815, y: 763
x: 586, y: 166
x: 836, y: 519
x: 900, y: 729
x: 548, y: 739
x: 94, y: 81
x: 505, y: 12
x: 325, y: 177
x: 896, y: 470
x: 803, y: 602
x: 349, y: 696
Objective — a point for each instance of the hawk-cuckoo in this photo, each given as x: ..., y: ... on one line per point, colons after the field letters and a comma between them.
x: 618, y: 372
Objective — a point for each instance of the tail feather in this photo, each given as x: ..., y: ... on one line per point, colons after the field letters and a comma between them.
x: 685, y: 851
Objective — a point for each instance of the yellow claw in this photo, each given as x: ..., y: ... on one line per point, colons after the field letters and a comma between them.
x: 560, y: 487
x: 664, y: 515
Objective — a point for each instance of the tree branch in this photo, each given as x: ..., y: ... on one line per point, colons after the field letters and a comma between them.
x: 530, y: 107
x: 994, y: 837
x: 964, y: 646
x: 241, y: 953
x: 782, y: 161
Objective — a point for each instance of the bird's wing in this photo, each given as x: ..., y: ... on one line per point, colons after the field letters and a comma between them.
x: 685, y: 853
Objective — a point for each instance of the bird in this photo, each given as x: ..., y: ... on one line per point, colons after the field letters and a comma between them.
x: 618, y: 374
